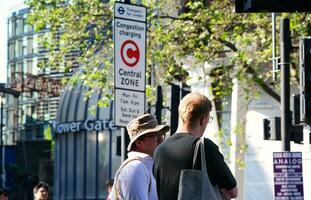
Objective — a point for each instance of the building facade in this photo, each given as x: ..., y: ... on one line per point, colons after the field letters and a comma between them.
x: 28, y: 116
x: 26, y: 125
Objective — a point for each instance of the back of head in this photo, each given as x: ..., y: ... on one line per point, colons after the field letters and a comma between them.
x: 192, y: 107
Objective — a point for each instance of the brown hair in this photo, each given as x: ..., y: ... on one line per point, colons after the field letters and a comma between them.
x: 193, y: 106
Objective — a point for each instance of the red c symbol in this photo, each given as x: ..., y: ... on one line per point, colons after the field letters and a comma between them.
x: 130, y: 53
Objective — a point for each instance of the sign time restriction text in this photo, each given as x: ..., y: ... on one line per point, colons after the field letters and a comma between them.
x: 128, y: 105
x: 288, y: 181
x: 130, y: 46
x: 129, y: 61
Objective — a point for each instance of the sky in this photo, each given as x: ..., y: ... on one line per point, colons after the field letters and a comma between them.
x: 5, y: 8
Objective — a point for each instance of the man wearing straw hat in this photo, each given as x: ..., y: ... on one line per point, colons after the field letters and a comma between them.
x: 134, y: 179
x: 176, y: 152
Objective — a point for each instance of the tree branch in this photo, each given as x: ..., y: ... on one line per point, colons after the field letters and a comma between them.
x: 263, y: 84
x: 228, y: 44
x: 174, y: 18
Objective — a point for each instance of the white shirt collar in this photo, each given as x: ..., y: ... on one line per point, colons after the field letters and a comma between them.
x: 148, y: 160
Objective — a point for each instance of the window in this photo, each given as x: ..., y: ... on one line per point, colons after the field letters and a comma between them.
x: 18, y: 48
x: 13, y: 27
x: 30, y: 45
x: 11, y: 50
x: 10, y: 28
x: 29, y: 66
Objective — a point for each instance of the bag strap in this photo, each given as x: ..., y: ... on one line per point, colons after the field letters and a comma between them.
x: 203, y: 161
x: 195, y: 153
x: 116, y: 188
x: 216, y: 190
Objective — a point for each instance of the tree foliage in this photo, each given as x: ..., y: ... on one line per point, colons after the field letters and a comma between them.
x: 205, y: 31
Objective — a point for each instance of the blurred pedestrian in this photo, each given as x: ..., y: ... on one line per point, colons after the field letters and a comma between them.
x: 109, y: 184
x: 134, y: 179
x: 3, y: 194
x: 41, y: 191
x: 176, y: 152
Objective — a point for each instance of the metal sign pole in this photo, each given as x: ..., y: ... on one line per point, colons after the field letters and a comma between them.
x: 285, y: 46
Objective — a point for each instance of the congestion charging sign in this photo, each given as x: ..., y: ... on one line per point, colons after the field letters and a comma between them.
x: 129, y: 61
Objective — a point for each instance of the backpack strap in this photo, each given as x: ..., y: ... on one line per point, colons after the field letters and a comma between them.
x: 116, y: 188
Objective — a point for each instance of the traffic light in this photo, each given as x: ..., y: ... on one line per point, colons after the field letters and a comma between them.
x: 255, y: 6
x: 296, y: 134
x: 266, y: 129
x: 272, y: 128
x: 296, y: 109
x: 305, y: 80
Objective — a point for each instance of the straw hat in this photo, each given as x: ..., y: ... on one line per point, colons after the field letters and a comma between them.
x: 142, y: 125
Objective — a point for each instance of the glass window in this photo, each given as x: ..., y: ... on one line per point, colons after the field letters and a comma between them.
x: 30, y: 45
x: 17, y: 28
x: 18, y: 48
x: 9, y: 28
x: 10, y: 71
x: 29, y: 66
x: 11, y: 50
x: 24, y: 50
x: 46, y: 111
x: 25, y: 26
x: 13, y: 27
x: 19, y: 67
x: 21, y: 23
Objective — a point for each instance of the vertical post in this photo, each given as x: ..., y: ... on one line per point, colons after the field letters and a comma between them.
x: 274, y: 59
x: 125, y: 140
x: 285, y: 46
x: 159, y: 104
x: 123, y: 148
x: 1, y: 144
x: 174, y: 103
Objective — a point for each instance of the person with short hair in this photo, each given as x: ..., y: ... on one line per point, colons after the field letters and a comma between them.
x: 176, y: 152
x: 41, y: 191
x: 134, y: 179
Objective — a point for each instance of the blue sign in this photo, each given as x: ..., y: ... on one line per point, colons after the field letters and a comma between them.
x: 288, y: 181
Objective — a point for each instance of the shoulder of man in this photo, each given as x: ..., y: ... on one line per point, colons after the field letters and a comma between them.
x: 209, y: 144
